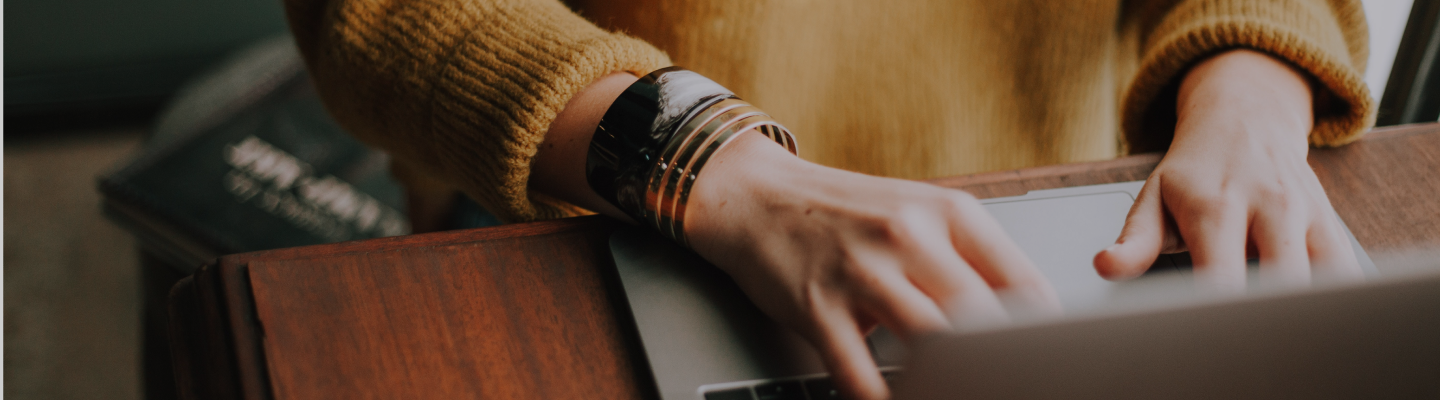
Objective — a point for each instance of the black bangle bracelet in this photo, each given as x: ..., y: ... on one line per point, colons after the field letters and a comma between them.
x: 635, y: 129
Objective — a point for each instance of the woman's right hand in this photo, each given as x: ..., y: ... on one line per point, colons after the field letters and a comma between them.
x: 828, y: 253
x: 831, y: 253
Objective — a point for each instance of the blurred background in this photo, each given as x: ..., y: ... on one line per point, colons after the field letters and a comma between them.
x: 69, y: 63
x: 84, y: 80
x: 84, y: 83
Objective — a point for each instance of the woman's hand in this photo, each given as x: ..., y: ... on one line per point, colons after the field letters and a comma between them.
x: 832, y: 253
x: 828, y: 253
x: 1235, y: 181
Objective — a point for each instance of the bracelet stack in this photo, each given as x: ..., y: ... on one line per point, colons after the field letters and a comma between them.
x: 655, y: 139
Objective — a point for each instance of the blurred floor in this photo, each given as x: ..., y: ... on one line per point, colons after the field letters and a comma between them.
x: 72, y: 279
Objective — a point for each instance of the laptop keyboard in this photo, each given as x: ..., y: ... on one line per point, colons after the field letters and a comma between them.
x: 815, y: 388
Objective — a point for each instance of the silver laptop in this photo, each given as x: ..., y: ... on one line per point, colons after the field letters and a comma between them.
x: 703, y: 339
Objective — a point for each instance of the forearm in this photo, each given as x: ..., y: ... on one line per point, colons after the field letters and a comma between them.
x: 559, y: 167
x: 463, y: 90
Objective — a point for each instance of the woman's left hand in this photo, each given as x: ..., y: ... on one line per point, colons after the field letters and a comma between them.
x: 1235, y: 182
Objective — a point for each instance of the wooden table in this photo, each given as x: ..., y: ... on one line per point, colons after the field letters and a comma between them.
x: 533, y: 310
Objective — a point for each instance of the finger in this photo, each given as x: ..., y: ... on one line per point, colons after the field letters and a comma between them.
x: 900, y: 305
x: 1140, y: 241
x: 1331, y: 254
x: 846, y: 355
x: 1215, y: 233
x: 1280, y: 238
x: 995, y: 260
x: 964, y: 297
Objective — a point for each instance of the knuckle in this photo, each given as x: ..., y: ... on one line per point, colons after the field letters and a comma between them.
x: 900, y: 226
x: 1273, y: 192
x: 872, y: 225
x: 857, y: 273
x: 1211, y: 203
x: 1281, y: 200
x: 957, y: 201
x: 858, y: 270
x: 1276, y: 194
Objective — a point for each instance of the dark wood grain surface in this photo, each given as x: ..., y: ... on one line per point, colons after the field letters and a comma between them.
x: 514, y: 326
x: 1387, y: 187
x: 530, y: 310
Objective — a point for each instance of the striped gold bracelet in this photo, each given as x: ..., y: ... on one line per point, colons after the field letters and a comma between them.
x: 649, y: 173
x: 670, y: 184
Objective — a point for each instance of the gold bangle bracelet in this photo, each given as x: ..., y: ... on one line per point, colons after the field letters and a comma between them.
x: 663, y: 162
x: 679, y: 164
x: 720, y: 140
x: 680, y: 167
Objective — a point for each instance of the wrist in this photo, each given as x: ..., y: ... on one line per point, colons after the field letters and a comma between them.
x: 558, y: 169
x: 654, y: 142
x: 1244, y: 92
x: 748, y: 170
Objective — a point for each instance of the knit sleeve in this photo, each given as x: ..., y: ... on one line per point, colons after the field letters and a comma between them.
x: 462, y: 89
x: 1325, y: 38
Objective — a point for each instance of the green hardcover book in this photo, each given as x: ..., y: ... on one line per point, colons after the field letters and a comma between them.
x: 247, y: 159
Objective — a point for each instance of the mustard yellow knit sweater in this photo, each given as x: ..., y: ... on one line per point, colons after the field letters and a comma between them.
x: 463, y: 90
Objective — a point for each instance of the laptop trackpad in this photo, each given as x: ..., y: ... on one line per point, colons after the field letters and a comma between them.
x: 1062, y: 234
x: 1061, y: 230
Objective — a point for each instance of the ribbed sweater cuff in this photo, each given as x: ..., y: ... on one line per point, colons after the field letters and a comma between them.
x: 496, y: 95
x: 1308, y: 35
x: 513, y: 94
